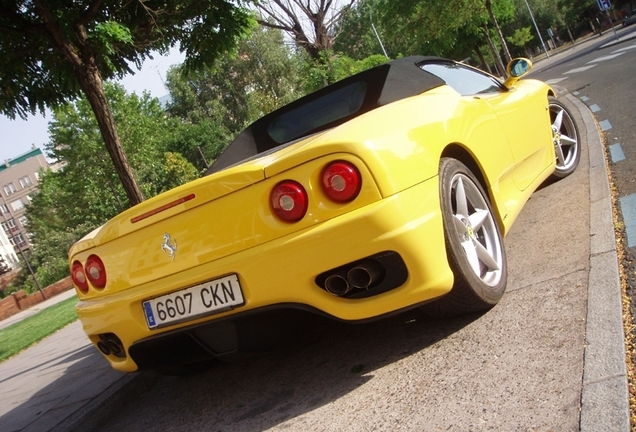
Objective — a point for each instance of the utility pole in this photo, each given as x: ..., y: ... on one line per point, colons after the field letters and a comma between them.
x: 536, y: 27
x: 376, y: 34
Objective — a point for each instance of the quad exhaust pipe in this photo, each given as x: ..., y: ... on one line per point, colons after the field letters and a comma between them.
x: 109, y: 344
x: 361, y: 276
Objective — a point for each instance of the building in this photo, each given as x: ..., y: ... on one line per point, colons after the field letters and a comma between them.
x: 7, y: 252
x: 19, y: 178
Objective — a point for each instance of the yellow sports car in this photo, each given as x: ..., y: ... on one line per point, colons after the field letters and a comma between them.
x: 388, y: 190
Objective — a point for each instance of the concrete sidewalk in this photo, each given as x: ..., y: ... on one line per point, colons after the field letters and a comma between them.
x: 63, y: 383
x: 56, y: 382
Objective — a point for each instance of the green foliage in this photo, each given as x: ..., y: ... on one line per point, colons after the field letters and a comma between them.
x: 199, y: 143
x: 109, y: 34
x: 428, y: 27
x: 521, y: 37
x: 176, y: 171
x: 333, y: 67
x: 49, y: 48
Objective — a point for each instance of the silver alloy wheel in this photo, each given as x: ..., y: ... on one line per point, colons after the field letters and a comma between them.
x: 564, y: 137
x: 476, y: 229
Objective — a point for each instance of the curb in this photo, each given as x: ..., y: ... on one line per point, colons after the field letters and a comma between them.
x: 605, y: 396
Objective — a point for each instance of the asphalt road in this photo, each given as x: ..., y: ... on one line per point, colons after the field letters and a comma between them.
x: 518, y: 367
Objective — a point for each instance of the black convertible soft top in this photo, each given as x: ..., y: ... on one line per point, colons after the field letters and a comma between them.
x: 330, y: 107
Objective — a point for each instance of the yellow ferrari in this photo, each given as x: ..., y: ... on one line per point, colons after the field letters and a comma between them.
x: 388, y: 190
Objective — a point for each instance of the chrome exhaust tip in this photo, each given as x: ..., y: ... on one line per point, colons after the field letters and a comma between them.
x: 364, y: 275
x: 337, y: 285
x: 110, y: 344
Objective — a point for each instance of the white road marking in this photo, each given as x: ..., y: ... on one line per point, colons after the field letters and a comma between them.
x: 609, y: 57
x: 605, y: 125
x: 616, y: 152
x: 581, y: 69
x: 555, y: 80
x: 624, y: 49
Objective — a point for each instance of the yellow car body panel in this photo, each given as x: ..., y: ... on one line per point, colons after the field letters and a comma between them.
x: 222, y: 224
x: 275, y: 272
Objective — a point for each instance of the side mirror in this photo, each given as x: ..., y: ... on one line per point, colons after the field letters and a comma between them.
x: 516, y: 69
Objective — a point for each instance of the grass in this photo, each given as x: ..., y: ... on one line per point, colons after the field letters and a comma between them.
x: 25, y: 333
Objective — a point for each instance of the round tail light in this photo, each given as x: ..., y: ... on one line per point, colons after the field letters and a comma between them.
x: 289, y: 201
x: 341, y: 181
x: 79, y: 277
x: 95, y: 271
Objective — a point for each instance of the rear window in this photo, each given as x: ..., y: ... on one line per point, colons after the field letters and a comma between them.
x: 329, y: 108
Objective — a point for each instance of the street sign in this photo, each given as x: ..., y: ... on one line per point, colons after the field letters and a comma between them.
x: 604, y: 5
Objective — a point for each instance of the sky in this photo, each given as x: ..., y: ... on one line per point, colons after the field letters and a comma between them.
x: 18, y: 136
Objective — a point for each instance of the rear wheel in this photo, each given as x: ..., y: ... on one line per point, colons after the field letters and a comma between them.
x: 565, y: 137
x: 474, y: 244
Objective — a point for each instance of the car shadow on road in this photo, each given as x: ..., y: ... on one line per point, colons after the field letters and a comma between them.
x: 261, y: 392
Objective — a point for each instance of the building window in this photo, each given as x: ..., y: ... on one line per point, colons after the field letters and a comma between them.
x: 23, y: 221
x: 25, y: 182
x: 9, y: 225
x: 17, y: 240
x: 9, y: 189
x: 4, y: 209
x: 17, y: 205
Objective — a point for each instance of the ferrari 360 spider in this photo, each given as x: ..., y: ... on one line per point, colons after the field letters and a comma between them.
x: 388, y: 190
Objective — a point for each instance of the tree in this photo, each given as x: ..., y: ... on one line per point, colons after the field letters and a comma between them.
x: 54, y: 50
x: 311, y: 23
x: 521, y: 37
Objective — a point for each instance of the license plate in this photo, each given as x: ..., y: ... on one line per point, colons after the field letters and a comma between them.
x: 207, y: 298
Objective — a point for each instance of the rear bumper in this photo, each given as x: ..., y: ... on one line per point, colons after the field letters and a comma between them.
x: 283, y: 272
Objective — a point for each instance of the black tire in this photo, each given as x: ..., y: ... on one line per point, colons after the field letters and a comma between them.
x: 474, y: 244
x: 565, y: 137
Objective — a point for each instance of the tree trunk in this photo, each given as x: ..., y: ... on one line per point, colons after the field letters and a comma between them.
x: 84, y: 65
x: 495, y: 53
x: 570, y: 34
x: 501, y: 36
x: 92, y: 86
x: 484, y: 64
